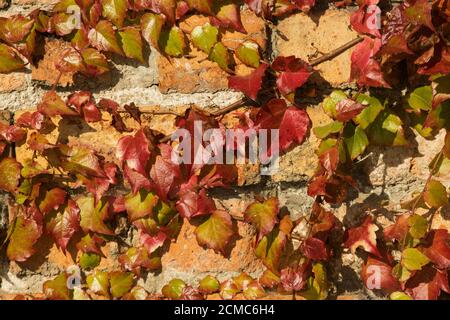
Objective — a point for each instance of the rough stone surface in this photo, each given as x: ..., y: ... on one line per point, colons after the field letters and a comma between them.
x: 16, y: 81
x: 311, y: 36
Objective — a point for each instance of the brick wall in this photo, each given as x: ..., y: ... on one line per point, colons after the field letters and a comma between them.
x: 386, y: 174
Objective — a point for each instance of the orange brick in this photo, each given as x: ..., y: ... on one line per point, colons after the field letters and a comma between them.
x: 12, y: 82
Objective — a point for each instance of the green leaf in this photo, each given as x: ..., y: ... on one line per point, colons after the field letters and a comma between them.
x: 387, y: 130
x: 317, y: 285
x: 329, y: 103
x: 248, y: 53
x: 418, y: 226
x: 98, y: 282
x: 172, y: 42
x: 263, y: 215
x: 421, y: 98
x: 164, y: 213
x: 140, y: 205
x: 220, y: 55
x: 89, y: 261
x: 57, y: 289
x: 356, y: 140
x: 9, y: 59
x: 270, y: 250
x: 413, y: 259
x: 216, y: 232
x: 370, y: 113
x: 9, y: 174
x: 131, y: 40
x: 93, y: 216
x: 398, y: 295
x: 435, y: 194
x: 24, y: 233
x: 103, y: 37
x: 324, y: 131
x: 204, y: 37
x: 174, y: 289
x: 401, y: 273
x: 115, y: 11
x: 209, y: 285
x: 121, y: 283
x: 151, y: 26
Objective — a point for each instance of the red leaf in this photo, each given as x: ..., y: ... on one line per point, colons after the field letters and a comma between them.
x: 65, y: 224
x: 52, y: 200
x: 295, y: 278
x: 364, y: 20
x: 439, y: 250
x: 35, y: 120
x: 329, y: 159
x: 304, y: 5
x: 293, y: 127
x: 363, y: 236
x: 427, y: 284
x: 164, y: 172
x: 228, y: 16
x: 347, y: 109
x: 378, y: 275
x: 365, y: 69
x: 398, y: 230
x: 134, y: 152
x: 294, y: 73
x: 152, y: 242
x: 249, y: 85
x: 292, y: 122
x: 315, y: 249
x: 192, y: 203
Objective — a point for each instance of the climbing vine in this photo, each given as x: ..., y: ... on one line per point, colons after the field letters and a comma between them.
x: 74, y: 194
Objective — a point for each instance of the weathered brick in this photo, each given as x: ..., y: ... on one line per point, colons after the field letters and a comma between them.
x: 310, y: 35
x: 300, y: 163
x: 46, y: 70
x: 186, y: 255
x: 196, y: 73
x: 12, y: 82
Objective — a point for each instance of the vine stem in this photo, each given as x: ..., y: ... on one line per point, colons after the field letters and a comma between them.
x: 336, y: 52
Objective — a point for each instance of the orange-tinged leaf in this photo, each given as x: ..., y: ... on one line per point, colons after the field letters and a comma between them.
x: 25, y: 232
x: 9, y: 59
x: 103, y: 38
x: 363, y: 236
x: 263, y: 215
x: 57, y: 288
x: 52, y: 105
x: 121, y: 283
x: 93, y: 216
x: 9, y: 174
x: 216, y: 232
